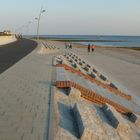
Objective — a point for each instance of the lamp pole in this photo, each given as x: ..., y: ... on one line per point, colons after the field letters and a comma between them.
x: 38, y: 20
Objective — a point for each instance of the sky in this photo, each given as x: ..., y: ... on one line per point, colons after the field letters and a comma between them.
x: 72, y: 17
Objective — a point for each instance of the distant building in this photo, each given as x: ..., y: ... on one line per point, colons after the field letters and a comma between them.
x: 5, y: 33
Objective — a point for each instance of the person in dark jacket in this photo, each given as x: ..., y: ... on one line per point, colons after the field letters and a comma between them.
x: 70, y: 46
x: 66, y: 45
x: 88, y: 47
x: 92, y: 47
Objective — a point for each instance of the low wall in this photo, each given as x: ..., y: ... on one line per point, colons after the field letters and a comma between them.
x: 7, y: 39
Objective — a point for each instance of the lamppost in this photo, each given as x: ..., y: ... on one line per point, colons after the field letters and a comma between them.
x: 38, y: 19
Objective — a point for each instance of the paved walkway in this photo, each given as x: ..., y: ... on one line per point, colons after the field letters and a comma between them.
x: 122, y: 68
x: 24, y: 98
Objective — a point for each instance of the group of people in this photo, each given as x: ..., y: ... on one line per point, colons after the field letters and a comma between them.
x: 68, y: 46
x: 18, y: 36
x: 91, y: 47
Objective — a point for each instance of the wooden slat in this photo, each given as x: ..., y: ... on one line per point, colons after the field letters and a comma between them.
x: 106, y: 86
x: 93, y: 96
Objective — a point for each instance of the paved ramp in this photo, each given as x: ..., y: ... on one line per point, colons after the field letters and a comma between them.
x: 24, y: 98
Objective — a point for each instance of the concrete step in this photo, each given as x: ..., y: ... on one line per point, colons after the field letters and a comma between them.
x: 103, y: 92
x: 89, y: 126
x: 114, y: 97
x: 89, y: 93
x: 61, y: 74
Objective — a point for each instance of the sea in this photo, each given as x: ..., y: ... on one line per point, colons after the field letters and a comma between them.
x: 100, y: 40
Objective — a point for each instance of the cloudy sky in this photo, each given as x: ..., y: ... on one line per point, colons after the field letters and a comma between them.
x: 86, y: 17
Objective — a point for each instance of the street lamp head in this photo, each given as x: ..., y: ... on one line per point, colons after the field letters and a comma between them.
x: 43, y: 11
x: 38, y: 19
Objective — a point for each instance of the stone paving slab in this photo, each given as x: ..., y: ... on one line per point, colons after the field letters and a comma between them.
x: 24, y: 98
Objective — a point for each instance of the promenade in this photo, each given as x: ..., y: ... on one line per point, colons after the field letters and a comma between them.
x: 24, y: 98
x: 25, y: 90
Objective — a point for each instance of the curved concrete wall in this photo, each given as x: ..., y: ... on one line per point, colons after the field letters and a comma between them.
x: 7, y: 39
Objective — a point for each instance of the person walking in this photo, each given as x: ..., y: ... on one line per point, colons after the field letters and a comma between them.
x: 70, y: 46
x: 66, y: 45
x: 88, y: 48
x: 92, y: 48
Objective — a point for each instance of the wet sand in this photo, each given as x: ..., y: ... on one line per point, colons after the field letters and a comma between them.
x: 13, y: 52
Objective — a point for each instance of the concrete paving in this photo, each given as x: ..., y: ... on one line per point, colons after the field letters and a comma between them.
x: 24, y: 98
x: 120, y: 66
